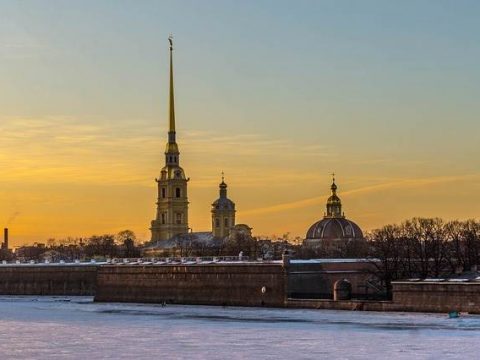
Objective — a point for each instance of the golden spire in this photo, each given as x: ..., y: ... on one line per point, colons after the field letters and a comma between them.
x: 171, y: 150
x: 172, y: 100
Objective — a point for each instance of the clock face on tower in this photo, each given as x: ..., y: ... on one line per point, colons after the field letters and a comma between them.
x: 178, y: 173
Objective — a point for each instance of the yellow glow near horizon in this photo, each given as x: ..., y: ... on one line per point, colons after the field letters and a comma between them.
x: 62, y: 179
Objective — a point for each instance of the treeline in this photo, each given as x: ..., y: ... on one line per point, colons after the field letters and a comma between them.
x: 423, y: 248
x: 244, y: 244
x: 120, y: 245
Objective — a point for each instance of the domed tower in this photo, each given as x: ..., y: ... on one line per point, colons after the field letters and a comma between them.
x: 172, y: 204
x: 334, y: 229
x: 334, y: 204
x: 223, y: 213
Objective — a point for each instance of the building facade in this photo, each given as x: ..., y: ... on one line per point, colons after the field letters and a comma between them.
x: 172, y: 202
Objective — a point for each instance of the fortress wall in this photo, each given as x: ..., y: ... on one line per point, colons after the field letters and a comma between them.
x: 233, y: 284
x: 437, y: 296
x: 409, y: 297
x: 48, y: 280
x: 215, y: 284
x: 316, y: 280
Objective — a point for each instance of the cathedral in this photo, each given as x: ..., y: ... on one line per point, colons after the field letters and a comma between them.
x: 170, y: 229
x: 170, y: 226
x: 172, y: 202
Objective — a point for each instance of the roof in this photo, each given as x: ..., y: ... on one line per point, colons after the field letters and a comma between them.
x: 223, y: 204
x: 332, y: 228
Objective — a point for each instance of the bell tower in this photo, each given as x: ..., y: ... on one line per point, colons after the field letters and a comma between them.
x: 172, y: 202
x: 223, y: 212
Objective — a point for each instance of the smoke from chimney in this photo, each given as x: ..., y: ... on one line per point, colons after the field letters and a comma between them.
x: 12, y: 217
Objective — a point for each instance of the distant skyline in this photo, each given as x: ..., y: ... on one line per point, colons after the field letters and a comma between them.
x: 276, y: 94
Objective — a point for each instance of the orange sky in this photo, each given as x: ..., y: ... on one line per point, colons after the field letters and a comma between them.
x: 384, y: 95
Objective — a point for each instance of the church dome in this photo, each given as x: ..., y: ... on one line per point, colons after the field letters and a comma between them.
x: 223, y: 202
x: 334, y: 225
x: 334, y: 228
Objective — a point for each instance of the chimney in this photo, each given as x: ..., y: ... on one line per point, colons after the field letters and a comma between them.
x: 5, y: 239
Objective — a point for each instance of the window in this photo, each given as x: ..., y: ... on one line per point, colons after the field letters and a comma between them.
x: 164, y: 218
x: 179, y: 218
x: 226, y: 222
x: 217, y: 222
x: 164, y: 193
x: 177, y: 192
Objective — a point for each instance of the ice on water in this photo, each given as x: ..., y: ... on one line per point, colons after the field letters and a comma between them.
x: 77, y: 328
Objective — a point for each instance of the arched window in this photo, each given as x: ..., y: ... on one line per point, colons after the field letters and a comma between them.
x: 164, y: 218
x: 164, y: 193
x: 226, y: 222
x: 217, y: 222
x: 179, y: 218
x: 177, y: 192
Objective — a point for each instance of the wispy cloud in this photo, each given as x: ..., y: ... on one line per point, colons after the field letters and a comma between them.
x: 250, y: 145
x: 67, y: 149
x: 392, y: 185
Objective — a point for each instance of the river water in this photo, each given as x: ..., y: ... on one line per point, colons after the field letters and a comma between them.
x: 77, y: 328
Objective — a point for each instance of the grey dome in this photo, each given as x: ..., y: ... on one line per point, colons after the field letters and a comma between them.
x: 334, y: 228
x: 223, y: 204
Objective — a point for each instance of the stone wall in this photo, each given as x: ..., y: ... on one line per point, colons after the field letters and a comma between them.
x: 237, y: 284
x: 214, y: 284
x: 48, y: 280
x: 444, y: 296
x: 316, y: 280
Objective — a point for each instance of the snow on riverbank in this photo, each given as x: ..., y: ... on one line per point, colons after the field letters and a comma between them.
x: 77, y: 328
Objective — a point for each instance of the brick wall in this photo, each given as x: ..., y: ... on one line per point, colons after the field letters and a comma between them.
x: 215, y: 284
x: 437, y: 296
x: 47, y: 280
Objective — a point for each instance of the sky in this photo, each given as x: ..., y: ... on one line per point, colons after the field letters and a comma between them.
x: 277, y: 94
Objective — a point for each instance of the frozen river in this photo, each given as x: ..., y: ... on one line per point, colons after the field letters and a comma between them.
x: 77, y: 328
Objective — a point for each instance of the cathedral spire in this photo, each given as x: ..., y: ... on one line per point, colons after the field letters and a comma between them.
x: 171, y: 129
x: 172, y: 155
x: 172, y: 201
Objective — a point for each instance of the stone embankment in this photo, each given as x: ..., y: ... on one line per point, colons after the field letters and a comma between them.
x: 316, y: 284
x: 48, y: 279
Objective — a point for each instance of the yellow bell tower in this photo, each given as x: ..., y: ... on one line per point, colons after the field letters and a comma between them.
x: 172, y: 203
x: 223, y: 213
